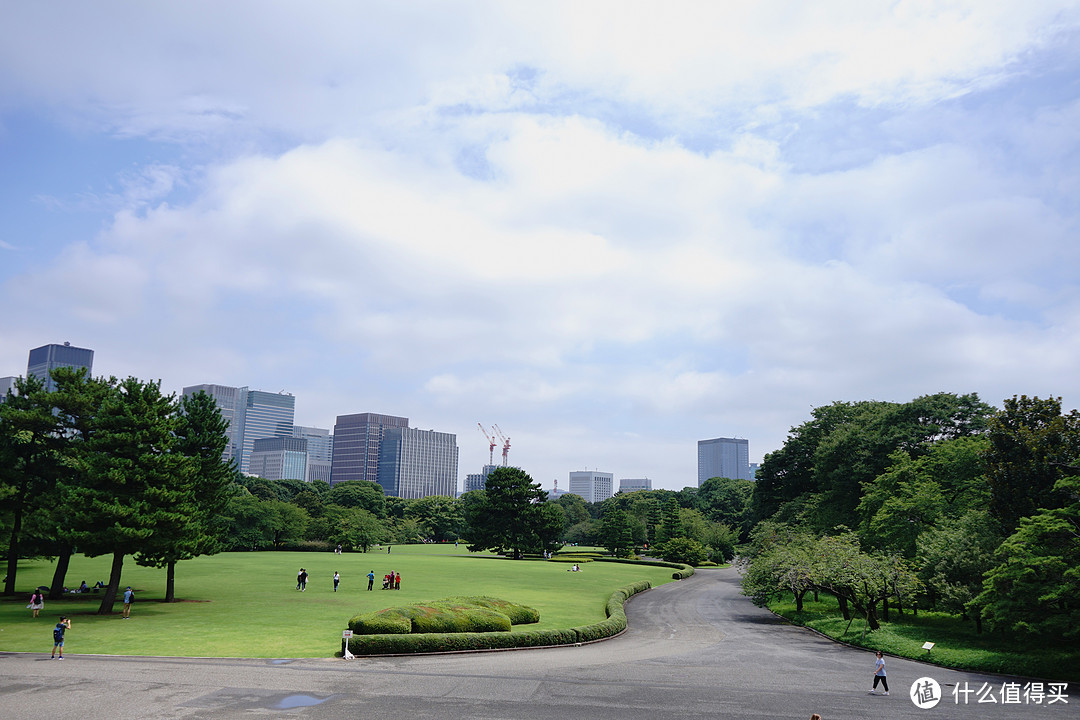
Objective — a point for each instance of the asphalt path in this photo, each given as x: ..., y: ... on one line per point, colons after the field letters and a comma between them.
x: 695, y: 649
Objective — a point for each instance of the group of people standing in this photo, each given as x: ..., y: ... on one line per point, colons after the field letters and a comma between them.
x: 391, y: 581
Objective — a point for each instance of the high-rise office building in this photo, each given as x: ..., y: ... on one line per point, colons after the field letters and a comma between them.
x: 723, y: 457
x: 592, y: 485
x: 279, y: 458
x: 417, y: 463
x: 7, y: 384
x: 47, y: 358
x: 232, y: 402
x: 478, y: 481
x: 266, y: 415
x: 634, y: 484
x: 356, y: 445
x: 320, y: 452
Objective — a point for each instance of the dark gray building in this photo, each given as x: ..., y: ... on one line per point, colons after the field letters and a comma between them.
x: 357, y: 439
x: 279, y: 458
x: 723, y: 457
x: 47, y: 358
x: 417, y: 463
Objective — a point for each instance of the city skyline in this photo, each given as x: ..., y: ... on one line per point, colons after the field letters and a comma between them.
x: 611, y: 229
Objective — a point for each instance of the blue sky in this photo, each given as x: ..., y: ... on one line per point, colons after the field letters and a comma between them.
x: 613, y: 228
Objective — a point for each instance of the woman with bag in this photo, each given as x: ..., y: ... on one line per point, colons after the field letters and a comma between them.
x: 37, y: 602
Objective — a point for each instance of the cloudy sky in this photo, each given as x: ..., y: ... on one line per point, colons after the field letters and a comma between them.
x: 612, y: 228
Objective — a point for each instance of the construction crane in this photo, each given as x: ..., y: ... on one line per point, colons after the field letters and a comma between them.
x: 505, y: 441
x: 491, y: 445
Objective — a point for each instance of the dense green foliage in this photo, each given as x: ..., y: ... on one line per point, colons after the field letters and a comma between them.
x: 942, y: 502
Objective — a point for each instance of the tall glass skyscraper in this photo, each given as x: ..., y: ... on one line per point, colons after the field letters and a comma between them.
x: 232, y: 402
x: 723, y: 457
x: 47, y: 358
x: 418, y: 463
x: 279, y: 458
x: 320, y: 452
x: 356, y: 445
x: 266, y: 415
x: 251, y: 414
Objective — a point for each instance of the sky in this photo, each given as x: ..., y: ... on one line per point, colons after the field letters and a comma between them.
x: 612, y: 228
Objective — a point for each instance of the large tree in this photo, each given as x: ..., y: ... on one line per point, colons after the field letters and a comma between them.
x: 132, y: 485
x: 1035, y: 586
x: 199, y: 491
x: 1031, y: 447
x: 30, y: 445
x: 506, y: 516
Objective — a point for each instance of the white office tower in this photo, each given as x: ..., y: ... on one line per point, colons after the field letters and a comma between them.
x: 592, y: 485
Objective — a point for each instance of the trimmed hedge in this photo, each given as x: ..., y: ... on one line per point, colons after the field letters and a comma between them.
x: 684, y: 571
x: 452, y: 615
x: 388, y: 643
x: 580, y: 559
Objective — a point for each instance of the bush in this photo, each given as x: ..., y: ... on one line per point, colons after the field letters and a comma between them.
x: 391, y: 643
x: 684, y: 550
x: 452, y: 615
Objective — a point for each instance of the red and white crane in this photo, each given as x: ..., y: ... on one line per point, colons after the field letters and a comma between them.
x: 491, y: 445
x: 505, y: 441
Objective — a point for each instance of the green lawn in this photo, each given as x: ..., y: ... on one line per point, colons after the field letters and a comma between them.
x: 956, y: 644
x: 246, y: 604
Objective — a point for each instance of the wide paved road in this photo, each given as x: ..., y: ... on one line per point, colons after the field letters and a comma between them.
x: 695, y: 649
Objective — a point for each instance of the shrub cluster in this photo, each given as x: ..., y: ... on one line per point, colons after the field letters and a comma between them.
x: 682, y: 571
x: 452, y: 615
x: 424, y: 642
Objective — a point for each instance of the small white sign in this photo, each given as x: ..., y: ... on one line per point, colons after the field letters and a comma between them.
x: 927, y: 646
x: 346, y: 634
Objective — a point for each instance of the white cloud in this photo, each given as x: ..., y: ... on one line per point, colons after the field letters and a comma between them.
x: 582, y: 221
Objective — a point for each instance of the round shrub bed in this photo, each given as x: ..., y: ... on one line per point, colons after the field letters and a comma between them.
x: 452, y: 615
x: 426, y: 642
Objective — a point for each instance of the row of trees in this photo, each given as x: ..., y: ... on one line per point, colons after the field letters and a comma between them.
x: 109, y: 467
x: 968, y: 508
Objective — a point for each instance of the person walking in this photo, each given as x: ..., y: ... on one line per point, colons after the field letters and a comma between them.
x: 129, y: 597
x: 37, y: 602
x: 370, y: 579
x: 298, y: 574
x: 58, y: 636
x: 303, y: 580
x: 397, y: 581
x: 337, y: 579
x: 879, y: 675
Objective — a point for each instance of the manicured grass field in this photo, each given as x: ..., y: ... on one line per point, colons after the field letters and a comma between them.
x: 957, y: 645
x: 246, y: 604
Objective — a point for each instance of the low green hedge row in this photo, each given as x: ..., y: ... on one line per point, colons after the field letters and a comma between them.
x: 683, y: 571
x: 572, y: 558
x: 389, y: 643
x: 451, y: 615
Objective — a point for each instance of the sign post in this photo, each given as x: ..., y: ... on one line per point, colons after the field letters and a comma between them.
x: 345, y: 635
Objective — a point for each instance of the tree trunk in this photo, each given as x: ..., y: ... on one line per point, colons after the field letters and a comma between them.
x: 885, y: 609
x: 114, y: 585
x: 56, y: 590
x: 798, y: 600
x: 844, y: 611
x: 13, y: 543
x: 170, y: 582
x: 978, y: 622
x: 871, y: 616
